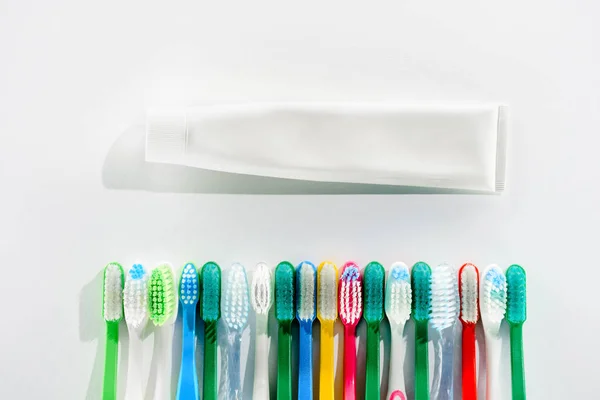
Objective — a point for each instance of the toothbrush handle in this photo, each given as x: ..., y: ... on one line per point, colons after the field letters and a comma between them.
x: 442, y: 388
x: 234, y: 389
x: 516, y: 362
x: 284, y: 361
x: 210, y: 361
x: 187, y: 388
x: 493, y: 351
x: 326, y: 380
x: 109, y: 391
x: 396, y: 387
x: 261, y: 359
x: 349, y: 363
x: 134, y: 389
x: 305, y: 381
x: 372, y: 369
x: 164, y: 343
x: 469, y: 363
x: 421, y: 361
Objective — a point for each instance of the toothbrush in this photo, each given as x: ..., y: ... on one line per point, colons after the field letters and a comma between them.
x: 306, y: 300
x: 210, y: 280
x: 327, y: 276
x: 284, y: 310
x: 469, y: 315
x: 421, y: 312
x: 135, y: 301
x: 261, y: 299
x: 492, y: 302
x: 374, y: 278
x: 444, y: 313
x: 162, y: 305
x: 516, y: 314
x: 398, y: 300
x: 112, y: 312
x: 187, y: 388
x: 236, y: 305
x: 350, y: 308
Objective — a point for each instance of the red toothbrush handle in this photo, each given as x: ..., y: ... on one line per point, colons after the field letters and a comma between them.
x: 469, y: 363
x: 349, y: 363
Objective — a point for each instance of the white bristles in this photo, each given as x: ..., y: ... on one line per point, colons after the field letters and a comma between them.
x: 350, y: 296
x: 493, y: 296
x: 444, y: 299
x: 135, y: 297
x: 327, y: 296
x: 236, y: 302
x: 113, y: 293
x: 398, y: 297
x: 261, y: 289
x: 469, y: 293
x: 307, y: 293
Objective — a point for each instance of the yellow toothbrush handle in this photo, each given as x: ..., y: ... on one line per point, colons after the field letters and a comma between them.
x: 326, y: 380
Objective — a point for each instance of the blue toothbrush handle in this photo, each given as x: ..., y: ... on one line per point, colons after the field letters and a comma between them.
x: 234, y: 389
x: 305, y: 375
x: 187, y: 388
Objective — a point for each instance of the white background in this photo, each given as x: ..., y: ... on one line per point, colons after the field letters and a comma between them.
x: 76, y: 77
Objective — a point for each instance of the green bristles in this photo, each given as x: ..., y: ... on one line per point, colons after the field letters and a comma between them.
x: 374, y: 277
x: 284, y: 291
x: 516, y: 310
x: 211, y: 292
x: 421, y: 287
x: 161, y: 295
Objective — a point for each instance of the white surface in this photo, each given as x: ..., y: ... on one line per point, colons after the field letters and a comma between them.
x: 76, y: 77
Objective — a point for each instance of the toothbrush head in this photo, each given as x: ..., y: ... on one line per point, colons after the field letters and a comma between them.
x: 468, y: 277
x: 162, y: 296
x: 284, y: 292
x: 374, y: 279
x: 135, y: 297
x: 261, y: 297
x: 236, y: 303
x: 306, y: 292
x: 327, y: 291
x: 189, y: 287
x: 350, y: 295
x: 516, y: 312
x: 444, y: 299
x: 112, y: 309
x: 421, y: 283
x: 492, y: 298
x: 211, y: 292
x: 398, y: 294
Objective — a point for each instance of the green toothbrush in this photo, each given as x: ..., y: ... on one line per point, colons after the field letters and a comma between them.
x: 211, y: 312
x: 112, y: 311
x: 374, y: 278
x: 284, y: 310
x: 516, y: 314
x: 421, y: 312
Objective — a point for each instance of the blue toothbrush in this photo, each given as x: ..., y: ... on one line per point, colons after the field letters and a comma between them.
x: 187, y: 388
x: 306, y: 289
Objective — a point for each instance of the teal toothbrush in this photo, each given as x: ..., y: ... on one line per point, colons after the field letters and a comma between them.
x: 421, y: 312
x: 516, y: 314
x: 112, y: 312
x: 187, y: 388
x: 284, y: 310
x: 374, y: 278
x: 211, y: 312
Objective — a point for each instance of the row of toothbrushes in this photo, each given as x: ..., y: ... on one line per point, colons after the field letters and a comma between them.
x: 305, y: 292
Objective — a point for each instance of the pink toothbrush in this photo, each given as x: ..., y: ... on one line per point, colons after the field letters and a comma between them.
x: 350, y: 306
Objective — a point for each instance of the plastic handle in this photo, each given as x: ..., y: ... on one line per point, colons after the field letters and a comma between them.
x: 469, y: 363
x: 516, y: 362
x: 493, y: 347
x: 109, y: 391
x: 326, y: 380
x: 349, y: 362
x: 305, y: 381
x: 284, y: 361
x: 396, y: 386
x: 210, y: 361
x: 187, y: 389
x: 164, y: 343
x: 261, y: 359
x: 372, y: 387
x: 234, y: 387
x: 134, y: 389
x: 421, y: 361
x: 443, y: 377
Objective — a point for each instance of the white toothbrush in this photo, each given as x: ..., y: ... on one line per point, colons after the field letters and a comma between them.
x: 261, y: 299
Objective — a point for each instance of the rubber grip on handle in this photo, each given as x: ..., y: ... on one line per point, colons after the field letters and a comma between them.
x: 109, y: 391
x: 305, y: 381
x: 284, y: 361
x: 421, y: 361
x: 210, y: 361
x: 469, y: 363
x: 187, y: 388
x: 349, y: 363
x: 327, y: 362
x: 517, y: 362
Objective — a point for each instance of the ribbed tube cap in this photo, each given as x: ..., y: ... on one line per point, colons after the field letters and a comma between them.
x: 166, y: 135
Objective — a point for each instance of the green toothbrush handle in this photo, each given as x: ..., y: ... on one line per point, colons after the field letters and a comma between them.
x: 210, y: 361
x: 372, y: 370
x: 109, y: 391
x: 421, y: 361
x: 516, y: 362
x: 284, y: 361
